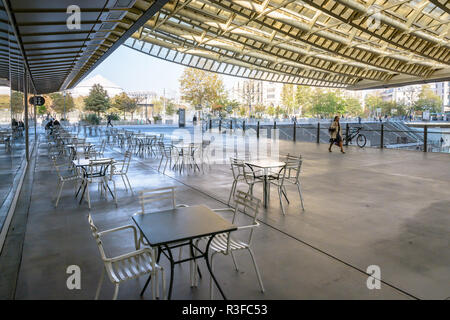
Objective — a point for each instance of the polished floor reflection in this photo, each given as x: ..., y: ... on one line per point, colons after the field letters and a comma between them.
x: 367, y: 207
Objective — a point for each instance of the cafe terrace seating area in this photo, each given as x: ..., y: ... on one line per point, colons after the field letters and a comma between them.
x: 132, y: 209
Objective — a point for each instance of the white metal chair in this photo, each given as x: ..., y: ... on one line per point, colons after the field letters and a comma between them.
x: 127, y: 266
x: 74, y: 176
x: 290, y: 173
x: 227, y: 243
x: 151, y: 196
x: 120, y: 168
x: 99, y: 171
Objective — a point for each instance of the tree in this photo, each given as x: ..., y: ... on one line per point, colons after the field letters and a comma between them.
x: 251, y: 90
x: 303, y: 98
x: 353, y: 106
x: 373, y: 102
x: 97, y: 101
x: 428, y: 100
x: 125, y: 104
x: 171, y: 108
x: 200, y: 88
x: 327, y: 104
x: 17, y: 103
x: 288, y: 97
x: 259, y: 110
x: 57, y: 103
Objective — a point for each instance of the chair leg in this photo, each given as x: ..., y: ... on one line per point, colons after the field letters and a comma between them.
x: 59, y: 193
x: 281, y: 200
x: 129, y: 184
x: 163, y: 278
x: 233, y: 186
x: 256, y: 269
x: 211, y: 284
x: 97, y: 293
x: 115, y: 193
x: 160, y: 162
x: 300, y: 193
x: 116, y: 291
x: 88, y: 195
x: 123, y: 180
x: 234, y: 261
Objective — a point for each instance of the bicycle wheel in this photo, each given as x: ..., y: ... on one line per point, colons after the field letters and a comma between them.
x: 361, y: 140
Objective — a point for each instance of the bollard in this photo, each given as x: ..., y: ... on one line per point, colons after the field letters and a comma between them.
x: 346, y: 134
x: 243, y: 125
x: 220, y: 125
x: 294, y: 134
x: 257, y: 130
x: 425, y: 138
x: 318, y: 132
x: 274, y: 124
x: 382, y: 137
x: 210, y: 124
x: 231, y: 124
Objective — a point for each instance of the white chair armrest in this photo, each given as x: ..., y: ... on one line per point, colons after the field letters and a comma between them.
x: 131, y: 254
x: 223, y: 210
x: 136, y: 241
x: 182, y: 206
x: 249, y: 226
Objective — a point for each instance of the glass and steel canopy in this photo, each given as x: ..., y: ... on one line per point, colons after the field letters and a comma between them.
x: 352, y: 44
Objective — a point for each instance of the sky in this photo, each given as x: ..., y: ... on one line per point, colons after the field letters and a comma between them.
x: 135, y: 71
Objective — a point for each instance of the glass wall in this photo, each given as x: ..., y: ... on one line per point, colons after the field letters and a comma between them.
x: 13, y: 120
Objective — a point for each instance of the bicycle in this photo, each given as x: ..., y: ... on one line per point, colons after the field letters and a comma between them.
x: 361, y: 139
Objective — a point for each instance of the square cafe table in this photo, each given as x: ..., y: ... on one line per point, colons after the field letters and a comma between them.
x: 84, y: 165
x: 169, y: 229
x: 265, y: 165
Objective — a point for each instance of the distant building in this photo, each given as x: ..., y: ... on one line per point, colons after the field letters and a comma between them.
x: 83, y: 88
x: 442, y: 89
x: 257, y: 92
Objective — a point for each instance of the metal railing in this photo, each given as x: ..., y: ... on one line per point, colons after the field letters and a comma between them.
x: 388, y: 134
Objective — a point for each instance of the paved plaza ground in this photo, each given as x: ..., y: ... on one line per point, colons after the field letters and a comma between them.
x: 388, y: 208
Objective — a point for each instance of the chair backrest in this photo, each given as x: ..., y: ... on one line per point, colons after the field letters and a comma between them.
x: 293, y: 167
x: 97, y: 165
x: 96, y: 236
x: 248, y: 204
x: 156, y: 195
x: 126, y: 161
x: 55, y: 165
x: 237, y: 167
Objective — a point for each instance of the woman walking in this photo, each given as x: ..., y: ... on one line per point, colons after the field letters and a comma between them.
x: 336, y: 134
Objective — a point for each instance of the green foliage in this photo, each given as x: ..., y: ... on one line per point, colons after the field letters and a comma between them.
x: 92, y: 118
x: 170, y: 108
x: 97, y: 101
x: 17, y: 105
x: 199, y: 87
x: 57, y: 102
x: 353, y: 107
x: 125, y: 104
x: 373, y: 102
x: 41, y: 110
x: 303, y: 98
x: 114, y: 116
x: 428, y: 100
x: 288, y: 97
x: 327, y: 103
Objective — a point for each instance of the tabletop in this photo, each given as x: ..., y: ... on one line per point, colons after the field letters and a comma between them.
x: 87, y: 162
x: 265, y: 163
x: 181, y: 224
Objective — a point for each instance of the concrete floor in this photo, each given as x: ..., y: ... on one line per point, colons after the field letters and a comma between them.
x: 368, y: 207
